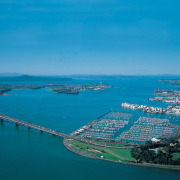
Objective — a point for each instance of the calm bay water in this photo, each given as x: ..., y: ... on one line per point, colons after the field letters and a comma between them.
x: 30, y: 155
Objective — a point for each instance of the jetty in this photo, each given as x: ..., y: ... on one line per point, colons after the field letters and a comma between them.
x: 104, y: 114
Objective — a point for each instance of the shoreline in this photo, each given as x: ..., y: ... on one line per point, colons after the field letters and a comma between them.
x: 66, y: 144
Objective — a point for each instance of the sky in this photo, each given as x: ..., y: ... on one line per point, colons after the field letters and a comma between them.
x: 60, y: 37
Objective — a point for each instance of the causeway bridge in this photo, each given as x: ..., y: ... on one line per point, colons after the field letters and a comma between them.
x: 18, y: 122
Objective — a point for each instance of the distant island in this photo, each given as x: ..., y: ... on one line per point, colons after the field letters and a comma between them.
x: 74, y: 89
x: 27, y: 78
x: 175, y: 82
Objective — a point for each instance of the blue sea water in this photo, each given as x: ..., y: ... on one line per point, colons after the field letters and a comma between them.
x: 30, y: 155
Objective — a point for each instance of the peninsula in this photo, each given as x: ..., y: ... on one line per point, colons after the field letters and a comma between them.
x: 56, y: 88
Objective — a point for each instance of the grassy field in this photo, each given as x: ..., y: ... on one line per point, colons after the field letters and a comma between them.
x: 176, y: 156
x: 126, y: 153
x: 123, y: 155
x: 112, y: 144
x: 86, y: 148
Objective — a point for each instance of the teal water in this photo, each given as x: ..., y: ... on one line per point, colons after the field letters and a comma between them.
x: 30, y: 155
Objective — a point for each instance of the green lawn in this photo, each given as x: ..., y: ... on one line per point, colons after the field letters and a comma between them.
x: 108, y: 153
x: 176, y: 156
x: 126, y: 153
x: 112, y: 144
x: 82, y: 147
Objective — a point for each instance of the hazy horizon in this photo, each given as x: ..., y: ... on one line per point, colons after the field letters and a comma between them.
x: 21, y: 74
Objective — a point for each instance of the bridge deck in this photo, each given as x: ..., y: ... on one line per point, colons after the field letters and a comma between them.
x: 53, y: 132
x: 30, y: 125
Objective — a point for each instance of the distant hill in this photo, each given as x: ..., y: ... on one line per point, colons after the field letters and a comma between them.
x: 27, y: 78
x: 10, y: 74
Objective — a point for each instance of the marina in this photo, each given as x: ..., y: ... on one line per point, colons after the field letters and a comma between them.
x: 108, y: 125
x: 146, y: 128
x: 113, y: 126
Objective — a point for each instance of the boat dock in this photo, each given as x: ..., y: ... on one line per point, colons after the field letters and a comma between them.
x: 108, y: 126
x: 146, y: 128
x: 84, y: 128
